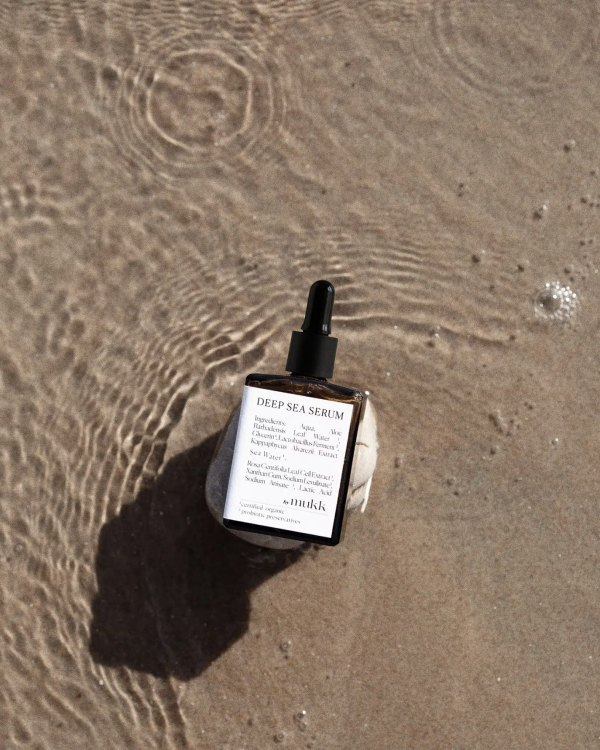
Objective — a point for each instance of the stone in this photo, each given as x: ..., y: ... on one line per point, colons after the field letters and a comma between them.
x: 363, y: 466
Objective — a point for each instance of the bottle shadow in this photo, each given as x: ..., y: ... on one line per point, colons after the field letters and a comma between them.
x: 173, y: 584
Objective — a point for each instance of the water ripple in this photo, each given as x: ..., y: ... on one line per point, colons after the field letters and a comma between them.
x: 191, y: 101
x: 513, y: 48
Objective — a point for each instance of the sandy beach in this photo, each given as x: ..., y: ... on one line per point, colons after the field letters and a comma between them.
x: 174, y: 176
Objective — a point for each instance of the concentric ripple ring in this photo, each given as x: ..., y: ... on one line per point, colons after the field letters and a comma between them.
x: 514, y: 48
x: 190, y: 100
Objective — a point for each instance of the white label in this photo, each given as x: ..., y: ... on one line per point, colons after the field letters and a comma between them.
x: 288, y: 461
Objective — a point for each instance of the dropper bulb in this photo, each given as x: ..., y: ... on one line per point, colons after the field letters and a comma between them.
x: 312, y: 350
x: 319, y: 308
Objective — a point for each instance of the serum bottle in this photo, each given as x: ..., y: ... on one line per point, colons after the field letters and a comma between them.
x: 295, y: 439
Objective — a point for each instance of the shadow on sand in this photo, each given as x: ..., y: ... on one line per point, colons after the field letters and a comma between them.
x: 173, y: 585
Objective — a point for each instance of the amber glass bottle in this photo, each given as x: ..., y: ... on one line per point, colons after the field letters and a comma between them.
x: 295, y: 440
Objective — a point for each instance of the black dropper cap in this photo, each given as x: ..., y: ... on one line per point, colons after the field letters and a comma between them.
x: 312, y: 350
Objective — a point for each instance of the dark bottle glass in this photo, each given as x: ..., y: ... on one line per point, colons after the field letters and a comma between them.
x: 296, y: 439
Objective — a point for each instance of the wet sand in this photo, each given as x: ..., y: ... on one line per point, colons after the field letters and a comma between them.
x: 174, y: 177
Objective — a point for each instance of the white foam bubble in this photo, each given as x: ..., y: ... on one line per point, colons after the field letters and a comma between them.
x: 556, y: 302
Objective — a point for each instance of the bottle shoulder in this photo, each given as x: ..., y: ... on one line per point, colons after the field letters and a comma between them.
x: 305, y: 386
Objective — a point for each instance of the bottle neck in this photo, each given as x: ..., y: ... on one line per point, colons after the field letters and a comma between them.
x: 307, y: 377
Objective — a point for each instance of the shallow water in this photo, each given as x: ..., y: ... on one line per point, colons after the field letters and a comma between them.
x: 174, y: 176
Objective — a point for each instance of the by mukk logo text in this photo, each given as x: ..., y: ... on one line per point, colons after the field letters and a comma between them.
x: 308, y: 504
